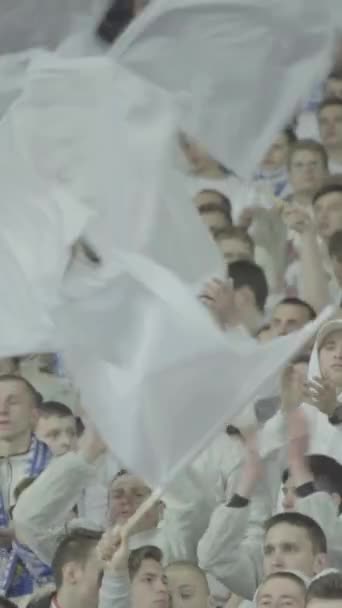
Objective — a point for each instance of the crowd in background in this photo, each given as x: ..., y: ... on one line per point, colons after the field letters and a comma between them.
x: 234, y: 528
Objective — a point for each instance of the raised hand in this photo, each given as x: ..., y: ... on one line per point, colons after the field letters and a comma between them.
x: 321, y: 393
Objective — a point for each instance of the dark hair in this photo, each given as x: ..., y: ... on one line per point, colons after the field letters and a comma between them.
x: 115, y: 20
x: 75, y: 546
x: 329, y: 102
x: 302, y: 358
x: 335, y: 244
x: 311, y: 145
x: 5, y: 603
x: 298, y: 520
x: 226, y: 204
x: 298, y: 302
x: 327, y: 473
x: 137, y: 557
x: 248, y: 274
x: 325, y: 587
x: 233, y: 431
x: 331, y: 185
x: 36, y: 396
x: 54, y: 408
x: 290, y: 134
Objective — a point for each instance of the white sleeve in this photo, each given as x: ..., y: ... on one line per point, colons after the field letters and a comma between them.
x: 42, y: 510
x: 226, y: 553
x: 114, y: 591
x: 186, y: 516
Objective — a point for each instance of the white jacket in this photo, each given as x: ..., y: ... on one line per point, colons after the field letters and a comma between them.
x: 235, y: 556
x: 114, y: 592
x: 42, y: 510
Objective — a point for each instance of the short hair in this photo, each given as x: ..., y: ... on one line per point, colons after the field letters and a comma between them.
x: 327, y: 473
x: 302, y: 358
x: 298, y: 302
x: 6, y: 603
x: 235, y: 232
x: 310, y: 145
x: 290, y: 133
x: 225, y: 206
x: 325, y: 587
x: 54, y: 408
x: 138, y: 556
x: 36, y: 396
x: 285, y: 574
x: 328, y: 103
x: 332, y: 184
x: 193, y: 567
x: 298, y: 520
x: 335, y: 244
x: 248, y: 274
x: 74, y: 547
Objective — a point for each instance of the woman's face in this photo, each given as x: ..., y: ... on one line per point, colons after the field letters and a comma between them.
x: 330, y: 358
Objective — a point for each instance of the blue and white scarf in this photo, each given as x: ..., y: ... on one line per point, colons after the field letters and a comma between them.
x: 278, y: 180
x: 20, y: 569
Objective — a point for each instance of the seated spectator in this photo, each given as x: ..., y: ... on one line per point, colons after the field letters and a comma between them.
x: 330, y: 128
x: 187, y: 585
x: 290, y: 315
x: 56, y: 427
x: 273, y: 171
x: 325, y: 591
x: 281, y: 589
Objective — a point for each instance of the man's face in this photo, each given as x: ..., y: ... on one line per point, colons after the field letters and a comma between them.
x: 288, y: 547
x: 127, y: 493
x: 328, y: 214
x: 330, y: 358
x: 149, y: 586
x: 235, y: 249
x: 280, y: 593
x: 88, y: 581
x: 333, y: 88
x: 215, y: 219
x: 288, y: 318
x: 288, y: 495
x: 17, y: 409
x: 277, y: 156
x: 186, y: 587
x: 58, y: 432
x: 330, y: 126
x: 307, y: 171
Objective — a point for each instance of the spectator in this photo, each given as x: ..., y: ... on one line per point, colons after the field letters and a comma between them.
x: 214, y: 209
x: 22, y: 456
x: 308, y: 167
x: 281, y: 589
x: 290, y: 315
x: 330, y: 127
x: 333, y: 85
x: 273, y: 170
x: 335, y: 254
x: 56, y: 427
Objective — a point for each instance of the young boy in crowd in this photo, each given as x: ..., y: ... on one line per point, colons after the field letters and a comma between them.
x: 57, y: 427
x: 281, y: 589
